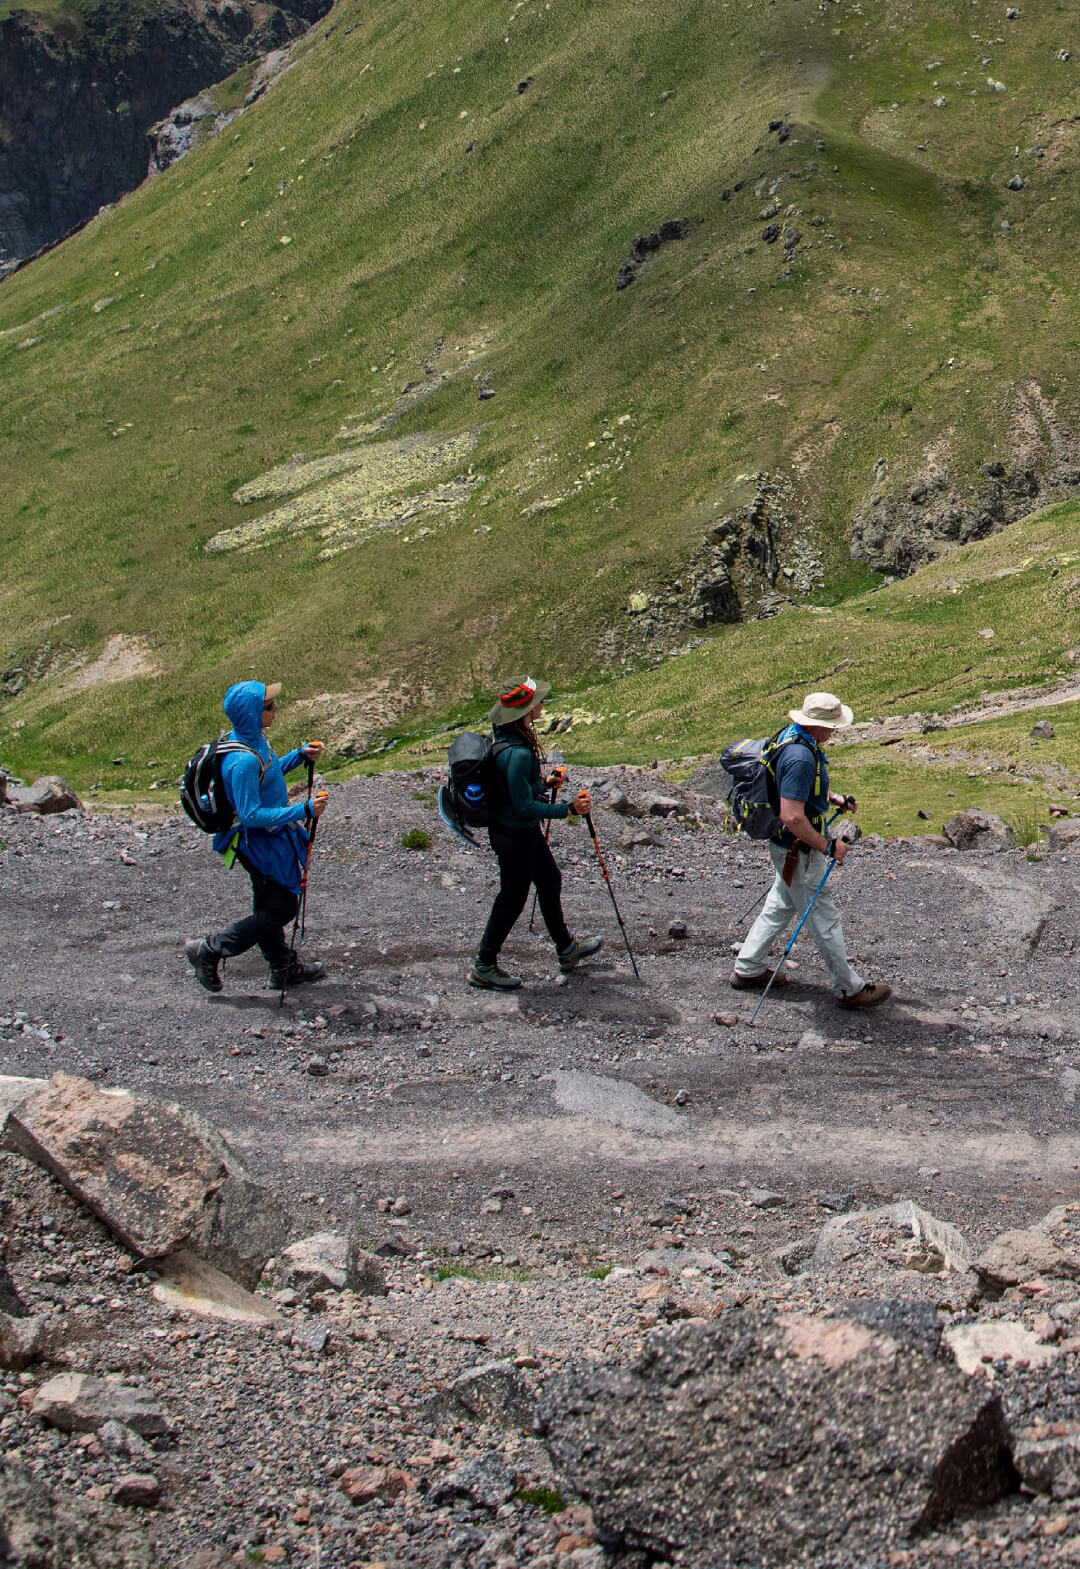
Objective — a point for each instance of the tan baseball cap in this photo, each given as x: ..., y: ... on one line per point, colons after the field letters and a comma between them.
x: 271, y: 691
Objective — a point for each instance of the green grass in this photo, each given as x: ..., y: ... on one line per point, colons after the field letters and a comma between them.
x: 416, y: 839
x: 911, y: 322
x: 549, y: 1499
x: 488, y: 1273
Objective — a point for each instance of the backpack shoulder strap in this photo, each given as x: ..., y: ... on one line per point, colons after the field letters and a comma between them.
x: 225, y: 744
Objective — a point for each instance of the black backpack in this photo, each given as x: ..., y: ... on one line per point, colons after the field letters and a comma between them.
x: 755, y: 798
x: 202, y: 791
x: 474, y: 786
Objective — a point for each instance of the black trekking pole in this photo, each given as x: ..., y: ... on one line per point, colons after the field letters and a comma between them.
x: 791, y: 941
x: 551, y: 795
x: 611, y: 891
x: 765, y: 893
x: 301, y: 908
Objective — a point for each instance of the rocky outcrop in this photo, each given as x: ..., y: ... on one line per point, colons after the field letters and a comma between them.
x: 897, y: 533
x: 77, y: 99
x: 734, y: 574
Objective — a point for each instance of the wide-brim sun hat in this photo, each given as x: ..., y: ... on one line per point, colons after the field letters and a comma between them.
x: 272, y: 692
x: 516, y: 699
x: 823, y: 710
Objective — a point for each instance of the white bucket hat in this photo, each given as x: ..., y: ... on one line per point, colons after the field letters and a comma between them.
x: 824, y: 710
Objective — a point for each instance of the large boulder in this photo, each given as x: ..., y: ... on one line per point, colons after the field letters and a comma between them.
x: 900, y: 1235
x: 977, y: 830
x: 22, y: 1340
x: 1065, y: 835
x: 315, y: 1263
x: 156, y: 1174
x: 775, y: 1441
x: 496, y: 1393
x: 48, y: 794
x: 80, y: 1403
x: 1048, y: 1460
x: 49, y: 1530
x: 1016, y: 1256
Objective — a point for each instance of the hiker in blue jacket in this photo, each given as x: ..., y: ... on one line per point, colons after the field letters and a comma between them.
x: 269, y: 839
x: 525, y: 859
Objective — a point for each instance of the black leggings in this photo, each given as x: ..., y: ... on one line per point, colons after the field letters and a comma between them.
x: 524, y: 859
x: 273, y: 906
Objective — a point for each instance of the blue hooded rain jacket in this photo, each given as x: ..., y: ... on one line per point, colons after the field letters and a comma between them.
x: 273, y: 837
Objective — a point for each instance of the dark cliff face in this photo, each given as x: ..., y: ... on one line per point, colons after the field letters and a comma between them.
x: 77, y: 98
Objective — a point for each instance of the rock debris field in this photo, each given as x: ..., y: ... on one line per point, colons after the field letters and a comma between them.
x: 591, y: 1274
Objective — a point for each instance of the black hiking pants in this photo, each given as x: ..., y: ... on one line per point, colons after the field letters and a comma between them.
x: 273, y: 906
x: 524, y: 859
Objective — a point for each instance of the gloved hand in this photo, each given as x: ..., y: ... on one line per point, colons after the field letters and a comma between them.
x: 581, y: 805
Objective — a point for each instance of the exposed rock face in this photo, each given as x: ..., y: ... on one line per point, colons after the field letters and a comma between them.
x: 897, y: 533
x: 785, y: 1422
x: 160, y: 1178
x: 76, y: 104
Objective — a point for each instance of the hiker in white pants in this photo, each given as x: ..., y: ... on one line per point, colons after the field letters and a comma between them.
x: 801, y: 857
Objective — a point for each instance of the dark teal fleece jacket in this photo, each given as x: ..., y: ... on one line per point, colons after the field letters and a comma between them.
x: 519, y: 773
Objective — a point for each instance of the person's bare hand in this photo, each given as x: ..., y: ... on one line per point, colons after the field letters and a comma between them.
x: 311, y: 751
x: 841, y: 848
x: 581, y: 805
x: 319, y: 803
x: 557, y: 777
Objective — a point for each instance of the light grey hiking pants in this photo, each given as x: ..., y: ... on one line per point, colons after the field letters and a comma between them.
x: 785, y: 905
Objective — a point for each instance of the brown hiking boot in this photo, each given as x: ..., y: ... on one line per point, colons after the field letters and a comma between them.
x: 868, y: 997
x: 756, y: 983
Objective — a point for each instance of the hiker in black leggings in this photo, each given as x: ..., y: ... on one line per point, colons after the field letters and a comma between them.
x: 525, y: 859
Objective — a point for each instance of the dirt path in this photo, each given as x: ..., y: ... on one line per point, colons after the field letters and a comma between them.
x: 992, y: 705
x: 422, y: 1071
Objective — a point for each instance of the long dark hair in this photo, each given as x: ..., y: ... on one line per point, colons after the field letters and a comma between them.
x: 527, y: 732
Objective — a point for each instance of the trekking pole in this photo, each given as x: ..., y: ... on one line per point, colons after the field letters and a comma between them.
x: 552, y: 793
x: 791, y: 941
x: 764, y: 894
x: 611, y: 891
x: 300, y: 918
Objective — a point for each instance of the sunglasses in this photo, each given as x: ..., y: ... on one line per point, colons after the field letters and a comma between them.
x: 271, y: 702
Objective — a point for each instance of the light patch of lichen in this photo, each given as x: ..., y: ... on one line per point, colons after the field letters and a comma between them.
x: 345, y: 514
x: 381, y: 469
x: 427, y: 509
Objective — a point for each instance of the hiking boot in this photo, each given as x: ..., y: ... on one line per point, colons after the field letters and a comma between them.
x: 295, y: 973
x: 579, y: 949
x: 756, y: 983
x: 204, y: 960
x: 867, y: 996
x: 490, y: 978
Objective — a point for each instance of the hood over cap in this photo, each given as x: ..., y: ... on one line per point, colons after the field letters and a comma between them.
x: 244, y: 709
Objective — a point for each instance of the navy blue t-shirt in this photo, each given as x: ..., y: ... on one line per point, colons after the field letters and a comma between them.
x: 797, y: 771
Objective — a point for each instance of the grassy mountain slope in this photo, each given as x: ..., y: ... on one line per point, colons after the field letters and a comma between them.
x: 283, y: 284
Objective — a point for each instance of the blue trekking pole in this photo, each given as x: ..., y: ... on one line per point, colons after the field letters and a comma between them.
x: 791, y: 942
